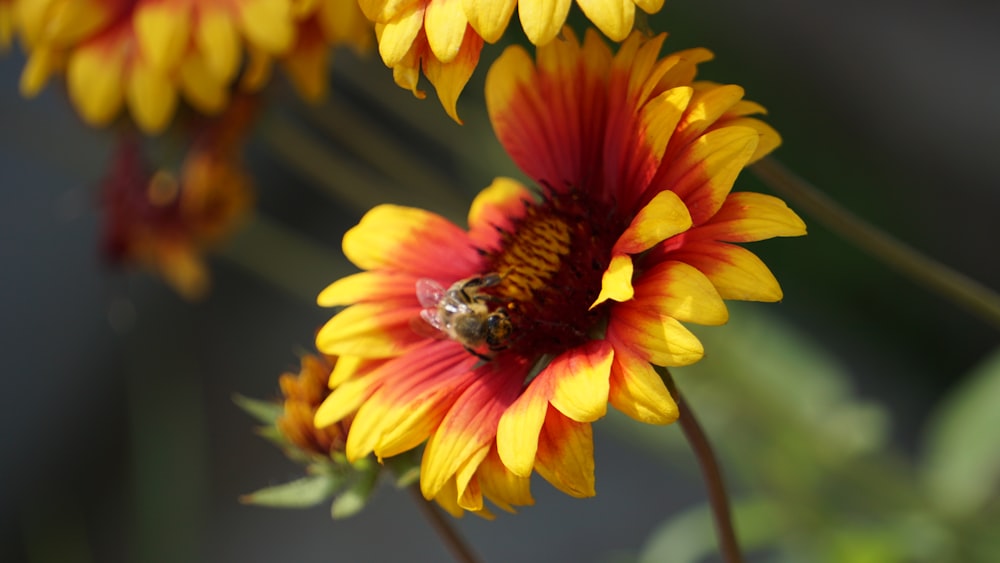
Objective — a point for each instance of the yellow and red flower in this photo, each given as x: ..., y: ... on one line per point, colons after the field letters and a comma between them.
x: 575, y: 292
x: 143, y: 53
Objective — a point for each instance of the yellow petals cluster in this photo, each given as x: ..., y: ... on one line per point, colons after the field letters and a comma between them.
x: 147, y: 54
x: 444, y: 37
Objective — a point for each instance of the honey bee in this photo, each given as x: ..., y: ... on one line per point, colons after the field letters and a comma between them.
x: 464, y: 315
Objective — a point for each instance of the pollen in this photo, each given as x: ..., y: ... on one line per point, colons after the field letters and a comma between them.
x: 551, y: 263
x: 533, y: 256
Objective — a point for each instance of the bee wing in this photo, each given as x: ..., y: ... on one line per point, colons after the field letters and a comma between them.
x: 428, y: 325
x: 429, y: 292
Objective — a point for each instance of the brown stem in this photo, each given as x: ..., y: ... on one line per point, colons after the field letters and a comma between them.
x: 449, y: 535
x: 934, y: 275
x: 717, y: 497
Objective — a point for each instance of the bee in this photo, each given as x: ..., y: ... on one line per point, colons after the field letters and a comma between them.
x: 464, y: 314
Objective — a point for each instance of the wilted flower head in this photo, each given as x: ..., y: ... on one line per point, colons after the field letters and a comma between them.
x: 164, y: 220
x: 499, y: 346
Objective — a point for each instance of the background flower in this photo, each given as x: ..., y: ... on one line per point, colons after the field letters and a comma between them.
x: 143, y: 53
x: 444, y: 37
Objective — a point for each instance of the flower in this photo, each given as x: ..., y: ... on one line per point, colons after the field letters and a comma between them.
x: 165, y: 221
x: 499, y: 346
x: 321, y: 450
x: 320, y: 24
x: 304, y: 392
x: 6, y: 24
x: 145, y: 52
x: 444, y: 37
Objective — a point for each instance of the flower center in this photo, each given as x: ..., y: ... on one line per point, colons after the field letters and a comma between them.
x: 551, y: 265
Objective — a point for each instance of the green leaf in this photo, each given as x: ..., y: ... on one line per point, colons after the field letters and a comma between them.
x: 265, y: 412
x: 301, y: 493
x: 690, y: 537
x: 351, y: 501
x: 961, y: 466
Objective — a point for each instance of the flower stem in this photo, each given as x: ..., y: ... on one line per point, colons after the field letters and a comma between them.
x: 449, y: 535
x: 717, y: 498
x: 934, y: 275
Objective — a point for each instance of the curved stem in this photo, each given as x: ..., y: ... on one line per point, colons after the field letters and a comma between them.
x: 717, y: 498
x: 449, y: 535
x: 934, y: 275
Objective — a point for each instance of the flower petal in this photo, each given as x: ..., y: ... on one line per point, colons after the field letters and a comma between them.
x: 445, y: 26
x: 495, y: 209
x: 662, y: 340
x: 638, y: 391
x: 579, y: 379
x: 489, y: 17
x: 368, y: 286
x: 396, y: 37
x: 410, y: 240
x: 663, y: 217
x: 519, y: 426
x: 705, y: 171
x: 370, y: 330
x: 449, y: 78
x: 94, y: 75
x: 344, y: 400
x: 542, y: 19
x: 616, y: 283
x: 678, y: 290
x: 748, y: 217
x: 218, y: 41
x: 650, y: 6
x: 735, y: 271
x: 661, y: 115
x: 503, y: 487
x: 201, y: 88
x: 470, y: 424
x: 267, y: 24
x: 42, y: 63
x: 614, y: 18
x: 566, y: 455
x: 469, y: 495
x: 162, y: 30
x: 152, y: 98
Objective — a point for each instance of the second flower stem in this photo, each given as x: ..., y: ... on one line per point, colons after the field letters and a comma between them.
x: 717, y: 497
x: 449, y: 535
x: 934, y: 275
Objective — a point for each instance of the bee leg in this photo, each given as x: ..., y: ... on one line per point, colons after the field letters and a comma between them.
x: 477, y: 354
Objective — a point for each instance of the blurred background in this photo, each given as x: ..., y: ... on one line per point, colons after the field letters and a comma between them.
x: 121, y: 441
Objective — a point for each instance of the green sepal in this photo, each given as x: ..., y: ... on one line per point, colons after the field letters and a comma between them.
x: 405, y: 468
x: 265, y: 412
x: 352, y: 500
x: 300, y: 493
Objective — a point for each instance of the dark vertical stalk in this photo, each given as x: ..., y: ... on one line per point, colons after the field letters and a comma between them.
x: 459, y: 549
x: 718, y: 500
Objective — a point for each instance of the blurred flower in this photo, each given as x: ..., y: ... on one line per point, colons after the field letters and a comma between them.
x: 499, y: 346
x: 164, y: 221
x: 6, y: 24
x: 444, y: 37
x: 320, y: 24
x: 320, y: 450
x: 303, y: 393
x: 143, y: 52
